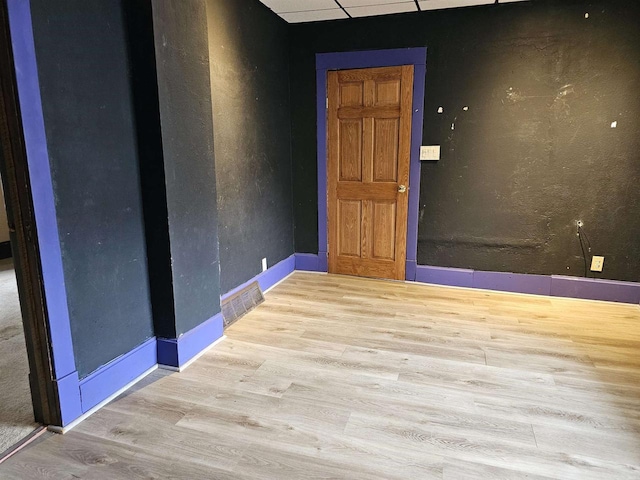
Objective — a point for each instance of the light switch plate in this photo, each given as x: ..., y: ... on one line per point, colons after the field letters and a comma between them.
x: 597, y: 263
x: 430, y: 152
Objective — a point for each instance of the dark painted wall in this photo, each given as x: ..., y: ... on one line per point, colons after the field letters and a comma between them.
x: 184, y: 92
x: 144, y: 82
x: 535, y: 151
x: 248, y: 47
x: 84, y: 79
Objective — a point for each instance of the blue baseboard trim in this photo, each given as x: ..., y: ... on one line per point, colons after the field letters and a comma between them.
x: 307, y: 262
x: 77, y: 396
x: 512, y: 282
x: 177, y: 352
x: 69, y: 398
x: 410, y: 270
x: 453, y: 277
x: 549, y: 285
x: 323, y: 262
x: 112, y: 377
x: 595, y: 289
x: 269, y: 277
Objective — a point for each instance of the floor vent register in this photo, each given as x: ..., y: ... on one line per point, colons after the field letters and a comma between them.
x: 240, y: 303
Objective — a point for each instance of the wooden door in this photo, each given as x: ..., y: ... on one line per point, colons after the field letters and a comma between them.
x: 368, y: 139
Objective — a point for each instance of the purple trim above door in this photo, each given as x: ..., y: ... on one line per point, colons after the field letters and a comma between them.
x: 369, y: 59
x: 41, y: 187
x: 392, y: 57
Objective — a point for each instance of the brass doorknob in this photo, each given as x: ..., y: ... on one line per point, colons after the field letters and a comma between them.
x: 402, y: 188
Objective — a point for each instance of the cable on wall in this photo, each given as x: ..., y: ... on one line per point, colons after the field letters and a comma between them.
x: 585, y: 246
x: 343, y: 9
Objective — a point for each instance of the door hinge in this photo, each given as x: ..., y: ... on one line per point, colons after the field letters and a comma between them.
x: 327, y: 107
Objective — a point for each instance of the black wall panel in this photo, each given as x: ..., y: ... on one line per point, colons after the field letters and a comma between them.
x: 184, y: 91
x: 84, y: 78
x: 248, y: 47
x: 144, y: 82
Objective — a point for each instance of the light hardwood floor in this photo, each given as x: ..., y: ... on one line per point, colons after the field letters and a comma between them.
x: 340, y: 377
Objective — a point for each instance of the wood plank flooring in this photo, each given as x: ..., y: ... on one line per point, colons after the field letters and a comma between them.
x: 341, y: 377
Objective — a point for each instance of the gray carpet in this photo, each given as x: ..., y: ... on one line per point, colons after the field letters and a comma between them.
x: 16, y: 413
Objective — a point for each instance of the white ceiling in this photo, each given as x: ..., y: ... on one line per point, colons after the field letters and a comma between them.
x: 297, y: 11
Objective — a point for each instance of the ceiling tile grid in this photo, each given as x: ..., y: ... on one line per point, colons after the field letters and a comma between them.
x: 298, y: 11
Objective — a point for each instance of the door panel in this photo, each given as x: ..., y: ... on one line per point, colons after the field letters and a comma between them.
x: 352, y: 94
x: 369, y: 136
x: 350, y: 218
x: 351, y: 150
x: 387, y: 141
x: 388, y: 92
x: 384, y: 230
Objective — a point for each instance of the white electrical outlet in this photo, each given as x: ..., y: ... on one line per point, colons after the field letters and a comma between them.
x: 264, y: 264
x: 430, y: 152
x: 597, y: 263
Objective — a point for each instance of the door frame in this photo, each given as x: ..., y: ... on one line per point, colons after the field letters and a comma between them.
x: 31, y: 209
x: 23, y: 235
x: 371, y: 59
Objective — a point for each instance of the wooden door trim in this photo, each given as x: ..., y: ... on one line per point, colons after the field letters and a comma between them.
x: 372, y: 59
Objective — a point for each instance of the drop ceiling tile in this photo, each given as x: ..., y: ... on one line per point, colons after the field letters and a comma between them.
x: 438, y: 4
x: 281, y: 6
x: 314, y: 15
x: 382, y: 9
x: 365, y: 3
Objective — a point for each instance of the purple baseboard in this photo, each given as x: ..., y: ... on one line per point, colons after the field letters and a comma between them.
x: 69, y: 398
x: 176, y: 352
x: 549, y: 285
x: 269, y: 277
x: 453, y: 277
x: 512, y: 282
x: 110, y: 378
x: 307, y: 262
x: 595, y: 289
x: 77, y: 396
